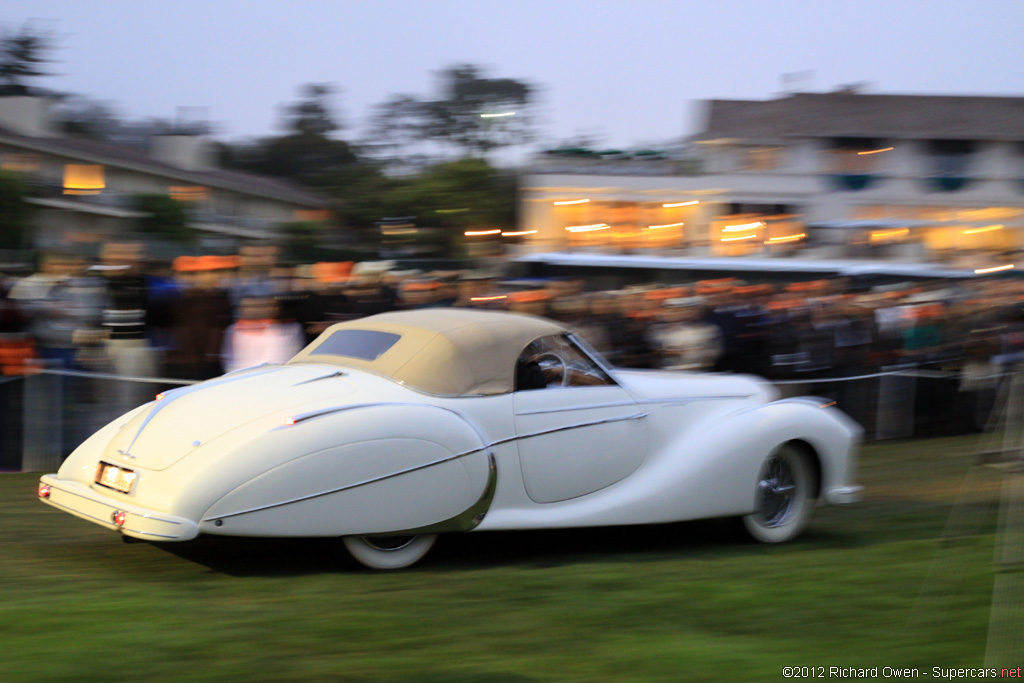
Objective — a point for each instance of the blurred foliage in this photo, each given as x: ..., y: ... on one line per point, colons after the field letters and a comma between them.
x: 165, y: 217
x: 447, y: 198
x: 302, y: 240
x: 22, y: 57
x: 312, y: 115
x: 304, y: 153
x: 14, y: 228
x: 454, y: 118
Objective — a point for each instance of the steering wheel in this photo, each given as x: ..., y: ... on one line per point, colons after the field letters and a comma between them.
x: 551, y: 363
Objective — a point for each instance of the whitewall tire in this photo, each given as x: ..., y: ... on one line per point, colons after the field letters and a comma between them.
x: 784, y: 496
x: 389, y: 552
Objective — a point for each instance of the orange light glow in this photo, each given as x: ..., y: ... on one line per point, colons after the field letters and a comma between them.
x: 477, y: 233
x: 789, y: 238
x: 741, y: 227
x: 875, y: 151
x: 887, y: 234
x: 994, y: 269
x: 678, y: 204
x: 488, y: 298
x: 187, y: 194
x: 588, y: 228
x: 987, y: 228
x: 83, y: 179
x: 669, y: 225
x: 518, y: 233
x: 572, y: 201
x: 160, y: 396
x: 306, y: 215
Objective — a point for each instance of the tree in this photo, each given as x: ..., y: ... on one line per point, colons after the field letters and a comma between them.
x: 479, y: 114
x: 305, y: 153
x: 14, y: 229
x: 397, y: 125
x: 472, y: 114
x: 302, y: 241
x: 311, y: 116
x: 165, y: 217
x: 22, y: 56
x: 454, y: 197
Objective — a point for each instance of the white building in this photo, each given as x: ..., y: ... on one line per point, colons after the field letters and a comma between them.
x: 908, y: 179
x: 84, y: 189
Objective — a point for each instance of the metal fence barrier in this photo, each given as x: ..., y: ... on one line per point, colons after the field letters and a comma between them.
x: 44, y: 416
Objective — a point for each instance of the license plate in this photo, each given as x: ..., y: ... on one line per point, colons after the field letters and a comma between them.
x: 115, y: 477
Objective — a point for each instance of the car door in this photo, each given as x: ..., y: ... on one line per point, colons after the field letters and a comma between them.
x: 577, y: 430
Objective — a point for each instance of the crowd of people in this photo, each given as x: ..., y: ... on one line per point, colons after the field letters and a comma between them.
x: 196, y: 318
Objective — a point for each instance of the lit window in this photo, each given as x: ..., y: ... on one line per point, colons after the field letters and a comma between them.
x: 187, y: 194
x: 20, y: 163
x: 311, y: 215
x: 760, y: 158
x: 83, y: 179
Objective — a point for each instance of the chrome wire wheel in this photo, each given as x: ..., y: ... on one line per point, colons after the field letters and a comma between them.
x: 776, y: 491
x: 389, y: 552
x: 783, y: 496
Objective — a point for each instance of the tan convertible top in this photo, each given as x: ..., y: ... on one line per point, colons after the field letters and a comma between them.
x: 444, y: 351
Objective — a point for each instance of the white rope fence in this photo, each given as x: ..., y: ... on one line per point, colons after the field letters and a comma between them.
x: 909, y: 372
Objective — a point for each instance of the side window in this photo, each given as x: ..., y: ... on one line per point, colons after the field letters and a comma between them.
x: 540, y: 365
x: 580, y: 369
x: 556, y: 361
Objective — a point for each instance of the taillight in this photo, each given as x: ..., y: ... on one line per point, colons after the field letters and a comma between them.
x: 119, y: 517
x: 44, y: 490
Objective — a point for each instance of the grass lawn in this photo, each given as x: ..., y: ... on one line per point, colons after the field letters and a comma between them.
x: 868, y: 585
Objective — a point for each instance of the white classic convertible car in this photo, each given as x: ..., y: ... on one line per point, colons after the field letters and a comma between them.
x: 389, y: 430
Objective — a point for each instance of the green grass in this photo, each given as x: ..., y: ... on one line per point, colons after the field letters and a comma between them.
x: 868, y: 585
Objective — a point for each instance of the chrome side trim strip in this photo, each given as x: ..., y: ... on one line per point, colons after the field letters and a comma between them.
x: 150, y: 533
x: 691, y: 399
x: 472, y: 516
x: 456, y: 456
x: 591, y: 423
x: 565, y: 409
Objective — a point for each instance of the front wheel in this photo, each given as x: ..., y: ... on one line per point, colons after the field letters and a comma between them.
x: 389, y: 552
x: 784, y: 496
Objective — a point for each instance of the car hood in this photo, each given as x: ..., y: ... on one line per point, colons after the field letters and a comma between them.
x: 185, y: 419
x: 653, y: 385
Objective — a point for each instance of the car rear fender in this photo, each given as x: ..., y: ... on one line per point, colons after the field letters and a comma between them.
x: 378, y: 468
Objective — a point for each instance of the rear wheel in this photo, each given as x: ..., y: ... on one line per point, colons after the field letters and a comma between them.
x: 389, y: 552
x: 784, y: 496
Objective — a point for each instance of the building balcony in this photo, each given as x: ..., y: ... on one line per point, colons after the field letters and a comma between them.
x: 854, y: 181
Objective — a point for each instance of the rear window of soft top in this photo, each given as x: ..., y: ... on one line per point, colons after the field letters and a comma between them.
x: 361, y: 344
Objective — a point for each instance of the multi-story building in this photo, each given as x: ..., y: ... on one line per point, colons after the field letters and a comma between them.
x: 840, y: 176
x: 86, y: 189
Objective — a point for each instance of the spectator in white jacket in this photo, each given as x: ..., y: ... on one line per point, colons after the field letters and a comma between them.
x: 259, y: 336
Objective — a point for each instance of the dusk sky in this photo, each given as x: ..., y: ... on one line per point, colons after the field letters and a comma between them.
x: 627, y: 72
